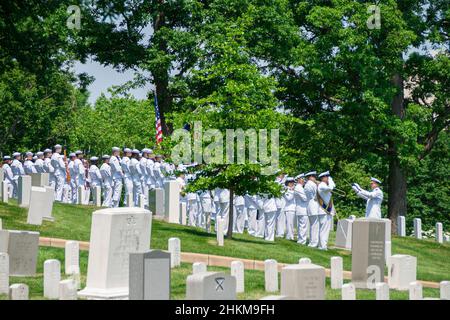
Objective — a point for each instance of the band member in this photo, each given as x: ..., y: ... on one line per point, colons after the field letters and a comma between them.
x: 326, y: 207
x: 127, y: 179
x: 107, y: 182
x: 301, y: 212
x: 312, y: 209
x: 117, y: 176
x: 28, y: 164
x: 59, y: 166
x: 374, y: 198
x: 289, y: 207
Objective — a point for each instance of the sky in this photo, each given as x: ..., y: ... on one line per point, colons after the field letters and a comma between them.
x: 105, y: 77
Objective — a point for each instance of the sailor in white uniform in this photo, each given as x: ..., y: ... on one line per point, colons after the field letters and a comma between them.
x: 224, y: 202
x: 59, y: 166
x: 107, y: 181
x: 301, y: 212
x: 312, y: 209
x: 374, y: 198
x: 326, y: 207
x: 49, y: 168
x: 144, y: 174
x: 289, y: 207
x: 39, y: 163
x: 207, y: 207
x: 73, y: 177
x: 117, y: 176
x: 28, y: 165
x: 281, y: 217
x: 136, y: 176
x: 127, y: 179
x: 252, y: 212
x: 8, y: 174
x: 95, y: 176
x: 17, y: 170
x: 239, y: 214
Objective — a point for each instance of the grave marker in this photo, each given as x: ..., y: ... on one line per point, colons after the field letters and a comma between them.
x: 348, y: 291
x: 417, y: 228
x: 72, y: 257
x: 210, y: 286
x: 402, y: 271
x: 22, y: 248
x: 337, y: 275
x: 382, y: 291
x: 237, y: 270
x: 4, y: 273
x: 24, y: 191
x: 18, y: 291
x: 198, y: 267
x: 52, y: 277
x: 303, y: 281
x: 172, y: 201
x: 271, y: 275
x: 174, y: 248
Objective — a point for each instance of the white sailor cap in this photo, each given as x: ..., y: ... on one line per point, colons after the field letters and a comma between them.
x: 6, y: 158
x: 311, y: 173
x: 78, y: 152
x: 72, y: 154
x: 29, y: 154
x: 105, y: 156
x: 40, y: 153
x: 47, y: 150
x: 114, y: 149
x: 324, y: 174
x: 158, y: 156
x: 93, y: 158
x: 145, y: 150
x: 16, y: 154
x: 58, y: 146
x: 375, y: 180
x: 35, y: 158
x: 301, y: 175
x: 135, y: 151
x: 127, y: 150
x: 289, y: 179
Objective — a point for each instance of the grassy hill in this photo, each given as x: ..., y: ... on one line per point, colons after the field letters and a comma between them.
x: 73, y: 223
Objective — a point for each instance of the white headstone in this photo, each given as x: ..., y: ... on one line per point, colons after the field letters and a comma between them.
x: 348, y: 291
x: 18, y: 291
x: 76, y: 277
x: 446, y: 237
x: 417, y: 228
x: 130, y: 200
x: 80, y: 197
x: 174, y: 248
x: 237, y: 270
x: 5, y: 193
x: 40, y: 179
x: 149, y: 275
x: 141, y: 201
x: 444, y: 287
x: 172, y: 201
x: 41, y: 205
x: 337, y: 275
x: 183, y: 213
x: 24, y: 191
x: 415, y: 291
x: 115, y: 233
x: 219, y: 235
x: 198, y: 267
x: 156, y: 201
x: 52, y: 277
x: 47, y: 213
x: 303, y: 281
x: 401, y: 226
x: 402, y: 271
x: 22, y: 248
x: 1, y: 226
x: 4, y: 273
x: 97, y: 196
x: 304, y: 261
x: 72, y: 257
x: 271, y: 275
x: 382, y: 291
x: 67, y: 290
x: 439, y: 233
x: 210, y: 286
x: 344, y: 234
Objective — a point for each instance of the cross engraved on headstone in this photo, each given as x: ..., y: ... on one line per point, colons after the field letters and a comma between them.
x: 219, y: 282
x: 131, y: 220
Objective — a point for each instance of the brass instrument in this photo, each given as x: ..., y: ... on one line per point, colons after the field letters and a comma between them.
x: 339, y: 192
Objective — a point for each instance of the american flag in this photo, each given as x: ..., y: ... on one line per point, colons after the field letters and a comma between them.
x: 159, y: 135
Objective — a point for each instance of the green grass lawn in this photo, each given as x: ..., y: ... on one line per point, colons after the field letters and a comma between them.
x: 254, y: 280
x: 73, y: 223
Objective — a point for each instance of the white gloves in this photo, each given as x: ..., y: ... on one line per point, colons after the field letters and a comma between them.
x: 356, y: 187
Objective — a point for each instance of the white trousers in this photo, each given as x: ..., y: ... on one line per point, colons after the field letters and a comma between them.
x: 116, y: 193
x: 145, y: 191
x: 128, y: 189
x: 269, y: 233
x: 290, y: 223
x: 74, y: 191
x: 302, y: 229
x: 224, y: 211
x: 137, y: 191
x: 107, y: 196
x: 324, y: 230
x: 251, y: 213
x: 313, y: 231
x: 260, y: 225
x: 67, y: 193
x: 239, y: 219
x: 59, y: 185
x: 281, y: 223
x: 192, y: 208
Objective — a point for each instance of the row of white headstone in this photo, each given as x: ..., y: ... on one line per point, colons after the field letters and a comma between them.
x: 439, y: 231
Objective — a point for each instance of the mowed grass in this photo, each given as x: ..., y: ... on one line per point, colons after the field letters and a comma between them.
x: 73, y: 222
x: 254, y: 281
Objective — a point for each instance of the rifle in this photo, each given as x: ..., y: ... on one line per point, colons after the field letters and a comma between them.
x: 68, y: 178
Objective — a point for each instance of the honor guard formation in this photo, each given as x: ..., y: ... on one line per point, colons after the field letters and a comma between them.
x: 303, y: 213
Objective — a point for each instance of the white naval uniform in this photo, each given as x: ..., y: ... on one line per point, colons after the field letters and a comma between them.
x: 224, y: 202
x: 9, y: 178
x: 374, y: 199
x: 301, y: 213
x: 51, y: 172
x: 127, y: 179
x: 158, y: 175
x: 289, y: 210
x: 136, y: 176
x: 144, y: 179
x: 325, y: 218
x: 60, y: 175
x: 150, y: 177
x: 73, y: 182
x: 313, y: 213
x: 252, y: 211
x: 28, y: 167
x: 239, y: 214
x: 17, y: 170
x: 117, y: 176
x: 207, y: 207
x: 39, y: 166
x: 216, y: 201
x: 107, y: 184
x: 80, y: 181
x: 281, y: 216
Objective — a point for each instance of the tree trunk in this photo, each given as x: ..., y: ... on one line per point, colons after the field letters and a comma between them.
x: 397, y: 187
x: 230, y: 215
x: 161, y: 77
